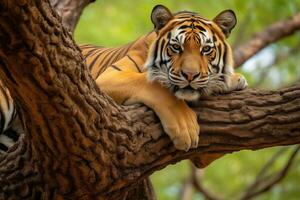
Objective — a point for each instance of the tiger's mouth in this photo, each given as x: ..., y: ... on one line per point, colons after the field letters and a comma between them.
x: 187, y: 93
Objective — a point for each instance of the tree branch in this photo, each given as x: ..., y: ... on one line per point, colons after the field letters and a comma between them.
x: 199, y: 187
x: 186, y: 192
x: 273, y: 33
x: 70, y: 11
x: 81, y: 144
x: 264, y: 184
x: 280, y: 57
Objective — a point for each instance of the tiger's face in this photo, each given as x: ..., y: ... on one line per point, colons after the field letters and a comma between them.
x: 190, y: 54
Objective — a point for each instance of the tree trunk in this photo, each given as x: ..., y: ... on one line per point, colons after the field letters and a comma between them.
x: 80, y: 145
x: 70, y: 12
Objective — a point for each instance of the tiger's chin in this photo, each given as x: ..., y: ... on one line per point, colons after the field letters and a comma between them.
x: 187, y: 94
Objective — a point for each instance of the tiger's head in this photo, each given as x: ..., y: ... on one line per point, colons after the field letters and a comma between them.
x: 190, y: 54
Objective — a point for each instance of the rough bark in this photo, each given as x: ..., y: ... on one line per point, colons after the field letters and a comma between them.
x: 271, y: 34
x: 70, y: 11
x: 80, y: 145
x: 143, y: 191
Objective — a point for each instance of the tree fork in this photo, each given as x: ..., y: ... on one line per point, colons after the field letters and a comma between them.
x: 80, y: 144
x: 70, y: 11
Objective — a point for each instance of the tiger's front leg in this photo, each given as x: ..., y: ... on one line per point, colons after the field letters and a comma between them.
x: 178, y: 120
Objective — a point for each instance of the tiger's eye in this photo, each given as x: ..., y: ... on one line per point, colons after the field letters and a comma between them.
x: 176, y: 47
x: 206, y: 49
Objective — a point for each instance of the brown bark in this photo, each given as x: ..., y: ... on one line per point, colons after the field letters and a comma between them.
x: 70, y: 11
x: 80, y: 145
x: 271, y: 34
x: 143, y: 191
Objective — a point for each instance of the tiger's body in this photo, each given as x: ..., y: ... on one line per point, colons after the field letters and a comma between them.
x: 168, y: 67
x: 185, y: 57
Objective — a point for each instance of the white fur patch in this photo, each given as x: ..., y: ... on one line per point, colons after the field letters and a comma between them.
x: 187, y: 95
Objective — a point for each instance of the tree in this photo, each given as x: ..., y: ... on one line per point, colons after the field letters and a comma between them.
x: 80, y: 145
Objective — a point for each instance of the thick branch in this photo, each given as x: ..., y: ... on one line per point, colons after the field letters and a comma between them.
x: 271, y: 34
x: 249, y: 119
x: 70, y: 11
x: 82, y: 145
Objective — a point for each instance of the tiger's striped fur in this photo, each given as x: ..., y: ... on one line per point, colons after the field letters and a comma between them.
x: 186, y: 56
x: 98, y: 59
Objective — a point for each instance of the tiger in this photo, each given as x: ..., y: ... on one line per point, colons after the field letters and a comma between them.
x: 10, y: 125
x: 184, y: 58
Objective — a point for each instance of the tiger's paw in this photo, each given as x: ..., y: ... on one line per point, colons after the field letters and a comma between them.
x: 238, y: 82
x: 180, y: 123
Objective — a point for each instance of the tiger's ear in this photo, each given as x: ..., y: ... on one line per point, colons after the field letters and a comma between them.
x: 226, y: 20
x: 160, y: 16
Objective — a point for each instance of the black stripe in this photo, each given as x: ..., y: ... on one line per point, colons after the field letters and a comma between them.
x: 3, y: 147
x: 109, y: 61
x: 108, y: 55
x: 181, y: 32
x: 168, y: 53
x: 202, y: 33
x: 93, y: 51
x: 224, y: 58
x: 169, y: 35
x: 96, y: 59
x: 200, y: 28
x: 208, y: 40
x: 214, y: 38
x: 155, y: 51
x: 165, y: 62
x: 115, y: 67
x: 2, y: 121
x: 116, y: 52
x: 137, y: 67
x: 162, y: 48
x: 89, y: 53
x: 198, y: 40
x: 11, y: 134
x: 90, y: 66
x: 184, y: 27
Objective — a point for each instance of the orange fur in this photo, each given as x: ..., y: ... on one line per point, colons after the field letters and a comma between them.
x: 120, y: 72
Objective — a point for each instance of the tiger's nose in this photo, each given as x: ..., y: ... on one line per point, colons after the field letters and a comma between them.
x: 189, y: 75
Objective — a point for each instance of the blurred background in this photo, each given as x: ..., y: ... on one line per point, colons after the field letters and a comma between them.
x: 116, y: 22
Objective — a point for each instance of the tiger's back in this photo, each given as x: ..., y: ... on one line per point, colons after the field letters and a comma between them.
x: 99, y: 58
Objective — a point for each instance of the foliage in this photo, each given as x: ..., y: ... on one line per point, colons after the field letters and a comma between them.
x: 111, y: 23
